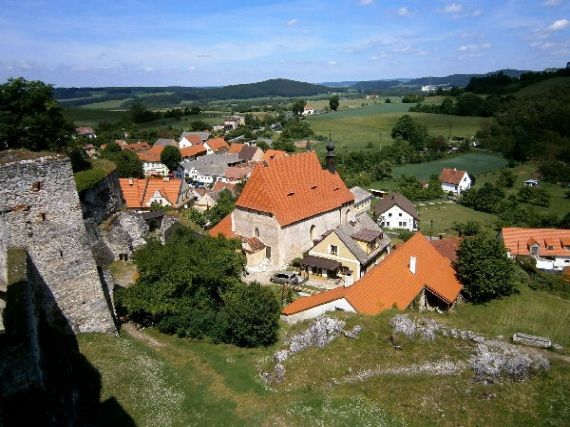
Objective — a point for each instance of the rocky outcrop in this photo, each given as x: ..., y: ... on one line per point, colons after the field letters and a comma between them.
x: 103, y: 200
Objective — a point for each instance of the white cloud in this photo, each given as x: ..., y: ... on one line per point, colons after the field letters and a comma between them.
x: 373, y: 58
x: 559, y: 25
x: 473, y: 47
x: 403, y: 11
x: 191, y: 68
x: 552, y: 2
x: 453, y: 8
x: 292, y: 22
x: 476, y: 12
x: 366, y: 2
x: 332, y: 62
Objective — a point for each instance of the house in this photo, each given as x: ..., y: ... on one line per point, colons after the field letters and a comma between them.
x: 90, y: 150
x: 207, y: 199
x: 348, y: 251
x: 165, y: 141
x: 362, y: 200
x: 447, y: 247
x: 531, y: 183
x: 151, y: 161
x: 235, y: 148
x: 85, y: 132
x: 190, y: 139
x: 192, y: 152
x: 142, y: 193
x: 235, y: 174
x: 288, y: 203
x: 233, y: 122
x: 454, y: 181
x: 550, y: 247
x: 203, y: 134
x: 207, y: 169
x: 137, y: 147
x: 251, y: 153
x: 414, y: 275
x: 271, y: 154
x: 395, y: 211
x: 219, y: 186
x: 216, y: 145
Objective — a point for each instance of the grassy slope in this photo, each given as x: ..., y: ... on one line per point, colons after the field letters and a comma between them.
x: 164, y: 380
x: 359, y: 126
x: 444, y: 215
x: 543, y: 87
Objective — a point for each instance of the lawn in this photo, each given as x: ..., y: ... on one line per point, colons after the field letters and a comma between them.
x: 161, y: 380
x: 439, y: 218
x: 475, y: 163
x: 357, y: 127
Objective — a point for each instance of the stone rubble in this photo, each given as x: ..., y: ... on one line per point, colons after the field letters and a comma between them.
x: 491, y: 360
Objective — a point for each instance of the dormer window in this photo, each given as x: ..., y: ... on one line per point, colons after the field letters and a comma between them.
x: 534, y: 250
x: 550, y: 247
x: 314, y: 187
x: 290, y: 194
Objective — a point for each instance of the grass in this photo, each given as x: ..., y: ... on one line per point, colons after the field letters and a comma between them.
x: 164, y: 380
x: 543, y: 87
x: 475, y: 163
x: 92, y: 117
x: 89, y: 178
x: 358, y: 127
x: 439, y: 218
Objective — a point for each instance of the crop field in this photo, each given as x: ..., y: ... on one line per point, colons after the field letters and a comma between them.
x: 160, y: 380
x: 88, y: 117
x: 476, y: 163
x: 358, y: 127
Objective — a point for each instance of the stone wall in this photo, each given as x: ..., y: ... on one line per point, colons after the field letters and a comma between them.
x: 101, y: 201
x: 40, y: 212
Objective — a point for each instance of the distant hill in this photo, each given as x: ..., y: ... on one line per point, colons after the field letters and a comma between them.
x: 347, y: 83
x: 156, y: 97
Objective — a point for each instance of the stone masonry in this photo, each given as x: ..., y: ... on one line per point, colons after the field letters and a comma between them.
x: 40, y: 212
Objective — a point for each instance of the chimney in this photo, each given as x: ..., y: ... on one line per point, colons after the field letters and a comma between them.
x: 413, y: 264
x: 331, y: 158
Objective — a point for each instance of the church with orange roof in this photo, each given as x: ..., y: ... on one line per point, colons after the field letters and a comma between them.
x: 286, y: 205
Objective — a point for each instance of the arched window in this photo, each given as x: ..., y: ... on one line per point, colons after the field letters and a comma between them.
x: 312, y: 232
x: 256, y: 232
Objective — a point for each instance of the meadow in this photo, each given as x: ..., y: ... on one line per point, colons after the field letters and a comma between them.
x: 162, y: 380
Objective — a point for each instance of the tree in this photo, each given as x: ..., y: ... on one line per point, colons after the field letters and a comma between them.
x: 334, y: 102
x: 469, y: 228
x: 139, y: 114
x: 128, y: 164
x: 224, y: 205
x: 507, y: 178
x: 298, y: 107
x: 484, y: 269
x: 31, y: 118
x: 263, y: 145
x: 170, y: 157
x: 407, y: 129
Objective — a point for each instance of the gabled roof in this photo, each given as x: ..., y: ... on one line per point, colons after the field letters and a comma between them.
x: 518, y: 240
x: 391, y: 283
x: 219, y: 186
x: 193, y: 138
x: 236, y: 147
x: 138, y: 192
x: 271, y: 154
x: 214, y: 165
x: 151, y: 155
x: 396, y: 199
x: 165, y: 142
x: 360, y: 194
x: 451, y: 176
x: 137, y: 146
x: 293, y: 188
x: 224, y: 227
x: 447, y: 247
x: 192, y: 151
x: 237, y: 173
x: 84, y: 130
x: 248, y: 152
x: 203, y: 134
x: 217, y: 144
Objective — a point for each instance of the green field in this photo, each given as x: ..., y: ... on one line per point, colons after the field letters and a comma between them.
x: 358, y: 127
x: 438, y: 218
x: 543, y: 87
x: 161, y: 380
x: 475, y: 163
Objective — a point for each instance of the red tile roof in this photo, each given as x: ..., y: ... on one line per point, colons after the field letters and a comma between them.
x: 237, y: 173
x: 224, y: 227
x: 194, y: 138
x: 294, y: 188
x: 136, y: 147
x: 152, y: 155
x: 274, y: 154
x: 235, y: 148
x: 219, y: 186
x: 391, y: 283
x: 451, y: 176
x: 217, y: 144
x: 138, y: 192
x: 447, y: 247
x: 193, y: 151
x: 518, y: 240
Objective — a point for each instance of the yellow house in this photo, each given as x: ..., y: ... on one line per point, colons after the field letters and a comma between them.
x: 348, y: 251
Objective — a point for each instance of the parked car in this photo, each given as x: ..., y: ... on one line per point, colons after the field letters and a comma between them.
x: 287, y: 277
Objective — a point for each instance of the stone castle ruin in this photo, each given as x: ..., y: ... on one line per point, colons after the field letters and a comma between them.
x: 40, y: 213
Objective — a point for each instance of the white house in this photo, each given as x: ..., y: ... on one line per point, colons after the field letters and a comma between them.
x: 189, y: 139
x: 454, y: 181
x: 208, y: 169
x: 151, y: 161
x: 396, y: 211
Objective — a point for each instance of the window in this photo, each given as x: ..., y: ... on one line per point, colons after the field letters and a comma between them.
x: 256, y: 232
x: 387, y: 223
x: 333, y: 250
x: 550, y: 247
x: 390, y: 214
x: 534, y: 250
x: 312, y: 232
x: 400, y: 214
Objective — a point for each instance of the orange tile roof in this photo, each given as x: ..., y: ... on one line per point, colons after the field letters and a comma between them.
x: 219, y: 186
x: 138, y: 192
x: 236, y: 173
x: 194, y: 138
x: 151, y: 155
x: 518, y: 240
x: 136, y: 147
x: 447, y: 247
x: 391, y: 283
x: 271, y: 154
x: 193, y: 151
x: 235, y: 148
x: 224, y: 227
x: 294, y: 188
x: 217, y: 144
x: 451, y: 176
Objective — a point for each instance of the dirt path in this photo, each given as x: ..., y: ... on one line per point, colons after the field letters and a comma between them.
x: 139, y: 335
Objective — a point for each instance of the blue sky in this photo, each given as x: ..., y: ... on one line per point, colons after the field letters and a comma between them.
x: 199, y: 43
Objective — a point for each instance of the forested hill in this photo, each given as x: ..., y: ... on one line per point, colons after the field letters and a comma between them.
x: 168, y: 96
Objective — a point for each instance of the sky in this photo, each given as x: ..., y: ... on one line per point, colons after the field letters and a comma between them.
x: 218, y: 42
